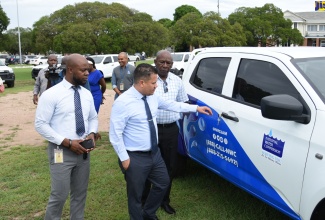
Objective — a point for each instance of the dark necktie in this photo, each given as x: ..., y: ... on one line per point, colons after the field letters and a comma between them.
x: 80, y: 126
x: 153, y: 135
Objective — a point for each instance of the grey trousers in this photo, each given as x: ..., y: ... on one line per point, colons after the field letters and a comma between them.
x: 72, y: 177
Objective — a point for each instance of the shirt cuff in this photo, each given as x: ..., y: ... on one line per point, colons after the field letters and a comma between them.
x: 123, y: 156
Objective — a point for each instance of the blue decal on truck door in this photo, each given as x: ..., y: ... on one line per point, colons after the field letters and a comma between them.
x: 209, y: 141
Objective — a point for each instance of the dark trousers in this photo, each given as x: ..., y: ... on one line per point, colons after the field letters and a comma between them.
x: 145, y: 166
x: 168, y: 143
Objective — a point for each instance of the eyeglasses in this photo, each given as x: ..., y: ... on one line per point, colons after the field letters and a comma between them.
x: 168, y: 63
x: 165, y: 87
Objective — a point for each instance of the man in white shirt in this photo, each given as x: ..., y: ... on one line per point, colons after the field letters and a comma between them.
x: 66, y: 116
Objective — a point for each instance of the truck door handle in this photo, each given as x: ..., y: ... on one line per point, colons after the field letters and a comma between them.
x: 225, y: 115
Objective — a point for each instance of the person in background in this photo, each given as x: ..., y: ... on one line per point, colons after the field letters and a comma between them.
x: 122, y: 76
x: 97, y: 83
x: 66, y: 116
x: 2, y: 86
x: 41, y: 82
x: 133, y: 135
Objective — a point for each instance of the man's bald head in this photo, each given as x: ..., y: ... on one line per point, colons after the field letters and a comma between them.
x: 77, y: 69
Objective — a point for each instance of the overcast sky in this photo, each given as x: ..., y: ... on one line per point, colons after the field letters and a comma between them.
x: 31, y: 11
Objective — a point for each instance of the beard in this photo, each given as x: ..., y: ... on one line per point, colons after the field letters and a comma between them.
x: 77, y: 81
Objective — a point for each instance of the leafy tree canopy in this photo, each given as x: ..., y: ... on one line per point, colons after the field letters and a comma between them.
x: 183, y: 10
x: 4, y: 20
x: 265, y: 24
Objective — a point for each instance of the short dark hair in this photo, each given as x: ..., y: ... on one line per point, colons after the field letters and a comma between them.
x: 143, y: 71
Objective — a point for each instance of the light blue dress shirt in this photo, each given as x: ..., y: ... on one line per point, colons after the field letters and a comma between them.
x: 129, y: 127
x: 55, y: 114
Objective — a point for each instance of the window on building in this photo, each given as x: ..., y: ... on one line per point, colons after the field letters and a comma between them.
x: 211, y: 73
x: 312, y: 27
x: 295, y: 25
x: 321, y: 27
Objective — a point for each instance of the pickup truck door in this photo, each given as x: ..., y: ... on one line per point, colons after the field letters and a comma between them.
x: 263, y: 156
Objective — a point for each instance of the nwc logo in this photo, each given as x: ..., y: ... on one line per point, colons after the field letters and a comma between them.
x: 319, y: 5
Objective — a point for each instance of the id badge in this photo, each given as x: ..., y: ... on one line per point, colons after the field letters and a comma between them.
x: 58, y: 155
x: 121, y: 86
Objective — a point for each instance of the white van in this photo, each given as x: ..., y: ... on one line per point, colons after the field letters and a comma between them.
x: 179, y: 61
x: 266, y: 134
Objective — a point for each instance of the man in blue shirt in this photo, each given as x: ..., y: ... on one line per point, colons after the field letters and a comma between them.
x: 130, y: 135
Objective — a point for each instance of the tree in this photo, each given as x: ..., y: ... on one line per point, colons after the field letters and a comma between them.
x: 4, y: 22
x: 166, y: 22
x: 146, y: 36
x: 99, y: 28
x: 210, y: 30
x: 12, y: 43
x: 183, y: 10
x: 265, y: 24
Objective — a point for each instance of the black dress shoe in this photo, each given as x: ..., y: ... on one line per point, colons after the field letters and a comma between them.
x: 147, y: 218
x: 168, y: 209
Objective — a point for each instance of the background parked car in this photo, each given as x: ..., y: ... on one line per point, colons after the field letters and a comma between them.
x: 141, y: 57
x: 27, y: 58
x: 5, y: 57
x: 38, y: 60
x: 7, y: 74
x: 134, y: 57
x: 13, y: 59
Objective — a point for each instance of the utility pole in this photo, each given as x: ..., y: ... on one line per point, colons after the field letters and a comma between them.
x: 218, y: 8
x: 20, y: 58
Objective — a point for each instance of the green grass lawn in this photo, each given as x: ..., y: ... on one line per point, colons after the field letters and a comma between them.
x: 198, y: 194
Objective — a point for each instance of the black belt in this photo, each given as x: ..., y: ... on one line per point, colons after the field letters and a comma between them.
x: 166, y: 125
x: 140, y: 152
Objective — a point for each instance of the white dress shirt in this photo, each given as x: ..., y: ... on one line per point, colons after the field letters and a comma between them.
x: 176, y: 92
x: 55, y: 114
x: 129, y: 127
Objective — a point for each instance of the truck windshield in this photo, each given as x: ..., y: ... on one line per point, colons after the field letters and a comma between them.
x: 313, y: 70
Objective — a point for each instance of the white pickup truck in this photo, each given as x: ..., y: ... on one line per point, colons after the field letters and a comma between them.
x: 266, y: 134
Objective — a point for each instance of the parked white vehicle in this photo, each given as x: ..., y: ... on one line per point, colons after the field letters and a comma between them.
x: 180, y: 60
x: 266, y: 134
x: 106, y: 63
x: 38, y: 60
x: 133, y: 57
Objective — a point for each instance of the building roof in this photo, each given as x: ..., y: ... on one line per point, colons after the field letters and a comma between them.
x: 311, y: 16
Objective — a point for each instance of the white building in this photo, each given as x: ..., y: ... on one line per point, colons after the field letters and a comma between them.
x: 311, y: 25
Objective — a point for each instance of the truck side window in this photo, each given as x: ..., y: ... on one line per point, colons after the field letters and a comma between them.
x: 108, y: 60
x: 210, y: 74
x: 257, y: 79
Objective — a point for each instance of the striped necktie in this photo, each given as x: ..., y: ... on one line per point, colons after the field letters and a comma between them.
x: 80, y: 126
